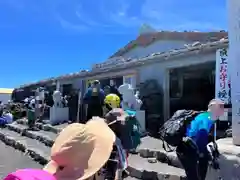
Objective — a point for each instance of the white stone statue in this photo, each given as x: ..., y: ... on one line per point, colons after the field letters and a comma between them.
x: 57, y: 99
x: 32, y: 103
x: 130, y: 100
x: 58, y: 113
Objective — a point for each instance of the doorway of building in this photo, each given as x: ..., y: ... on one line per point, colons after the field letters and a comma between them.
x: 192, y: 87
x: 66, y: 89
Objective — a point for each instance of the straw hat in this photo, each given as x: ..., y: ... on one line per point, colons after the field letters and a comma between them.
x: 81, y: 150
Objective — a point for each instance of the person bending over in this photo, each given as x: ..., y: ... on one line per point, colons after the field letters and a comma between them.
x: 192, y: 152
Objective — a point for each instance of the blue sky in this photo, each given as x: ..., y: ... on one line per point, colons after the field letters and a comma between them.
x: 45, y: 38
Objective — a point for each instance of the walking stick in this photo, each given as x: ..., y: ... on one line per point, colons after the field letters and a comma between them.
x: 79, y: 105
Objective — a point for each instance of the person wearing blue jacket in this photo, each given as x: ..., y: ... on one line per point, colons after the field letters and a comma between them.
x: 193, y: 153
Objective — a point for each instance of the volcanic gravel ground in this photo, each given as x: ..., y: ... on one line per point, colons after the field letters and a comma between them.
x: 11, y: 160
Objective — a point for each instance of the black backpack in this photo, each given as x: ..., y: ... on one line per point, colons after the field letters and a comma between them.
x: 95, y: 98
x: 174, y: 129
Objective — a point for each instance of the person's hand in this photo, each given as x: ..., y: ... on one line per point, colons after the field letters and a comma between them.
x: 116, y: 114
x: 97, y: 118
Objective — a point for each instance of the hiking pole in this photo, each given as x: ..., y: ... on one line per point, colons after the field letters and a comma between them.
x: 215, y: 132
x: 79, y: 105
x: 215, y: 141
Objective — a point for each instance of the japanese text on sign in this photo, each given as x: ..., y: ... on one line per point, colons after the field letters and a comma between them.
x: 223, y: 83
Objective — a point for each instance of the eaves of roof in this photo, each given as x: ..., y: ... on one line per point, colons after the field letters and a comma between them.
x: 153, y: 58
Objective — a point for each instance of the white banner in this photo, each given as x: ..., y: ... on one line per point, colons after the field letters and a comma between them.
x: 223, y: 83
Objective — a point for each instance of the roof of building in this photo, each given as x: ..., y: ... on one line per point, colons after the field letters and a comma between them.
x: 149, y: 38
x: 6, y: 91
x: 151, y: 58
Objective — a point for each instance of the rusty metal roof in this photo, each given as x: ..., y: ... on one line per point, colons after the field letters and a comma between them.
x: 151, y: 58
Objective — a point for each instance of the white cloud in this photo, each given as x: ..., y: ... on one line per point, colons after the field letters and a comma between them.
x: 104, y: 16
x: 68, y: 25
x: 84, y: 17
x: 115, y: 16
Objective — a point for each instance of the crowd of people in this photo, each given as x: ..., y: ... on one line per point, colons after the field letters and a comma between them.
x: 98, y: 153
x: 99, y: 148
x: 96, y: 98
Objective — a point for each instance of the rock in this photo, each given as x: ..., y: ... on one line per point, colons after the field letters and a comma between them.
x: 152, y: 99
x: 152, y: 160
x: 152, y: 147
x: 140, y: 168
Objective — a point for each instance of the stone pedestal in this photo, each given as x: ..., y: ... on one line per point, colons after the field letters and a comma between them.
x: 229, y: 161
x: 58, y: 115
x: 140, y: 116
x: 234, y: 59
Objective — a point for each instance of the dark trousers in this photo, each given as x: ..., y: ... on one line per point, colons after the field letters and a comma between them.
x: 31, y: 118
x: 72, y: 114
x: 94, y: 111
x: 195, y: 167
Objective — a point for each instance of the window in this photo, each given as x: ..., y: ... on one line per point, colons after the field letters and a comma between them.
x: 118, y: 81
x: 131, y: 79
x: 128, y: 80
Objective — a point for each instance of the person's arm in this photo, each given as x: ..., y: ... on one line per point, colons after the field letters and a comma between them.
x: 118, y: 93
x: 102, y: 96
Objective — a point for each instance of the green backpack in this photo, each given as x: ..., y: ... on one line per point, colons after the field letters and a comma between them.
x: 133, y: 127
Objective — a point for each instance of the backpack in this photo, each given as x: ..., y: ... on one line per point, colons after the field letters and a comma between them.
x: 174, y: 129
x: 30, y: 174
x: 126, y: 127
x: 133, y: 127
x: 95, y: 97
